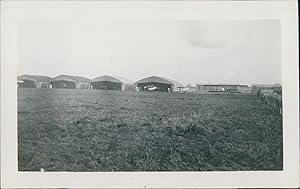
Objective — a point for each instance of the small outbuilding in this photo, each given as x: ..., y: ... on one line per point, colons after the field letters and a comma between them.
x: 219, y: 88
x: 33, y: 81
x: 244, y: 89
x: 70, y: 82
x: 106, y: 82
x: 256, y: 88
x: 155, y: 83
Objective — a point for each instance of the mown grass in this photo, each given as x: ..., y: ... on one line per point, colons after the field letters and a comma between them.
x: 82, y: 130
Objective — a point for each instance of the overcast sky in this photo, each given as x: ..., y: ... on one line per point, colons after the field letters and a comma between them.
x: 241, y: 52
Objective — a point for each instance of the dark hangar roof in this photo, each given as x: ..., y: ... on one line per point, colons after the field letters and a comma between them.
x: 114, y: 79
x: 155, y: 79
x: 37, y: 78
x: 71, y: 78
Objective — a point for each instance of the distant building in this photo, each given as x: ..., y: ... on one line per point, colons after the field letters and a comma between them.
x: 176, y: 85
x: 256, y: 88
x: 33, y: 81
x: 244, y: 89
x: 70, y: 82
x: 112, y: 83
x: 187, y: 89
x: 155, y: 83
x: 219, y: 88
x: 266, y: 92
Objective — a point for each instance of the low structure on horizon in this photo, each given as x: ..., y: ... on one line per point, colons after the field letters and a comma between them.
x: 187, y: 89
x: 70, y: 82
x: 106, y: 82
x: 223, y: 88
x: 155, y: 83
x: 245, y: 89
x: 256, y: 88
x: 33, y: 81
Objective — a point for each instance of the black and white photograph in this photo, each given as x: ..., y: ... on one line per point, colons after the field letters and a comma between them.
x: 150, y: 96
x: 96, y: 94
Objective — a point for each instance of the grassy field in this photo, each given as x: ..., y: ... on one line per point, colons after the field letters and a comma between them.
x: 84, y: 130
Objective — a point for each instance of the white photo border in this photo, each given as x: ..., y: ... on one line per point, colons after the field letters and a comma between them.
x: 15, y: 12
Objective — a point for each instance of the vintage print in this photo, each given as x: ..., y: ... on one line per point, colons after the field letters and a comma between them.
x: 150, y: 95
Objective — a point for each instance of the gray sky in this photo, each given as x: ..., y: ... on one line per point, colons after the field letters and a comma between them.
x: 211, y: 51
